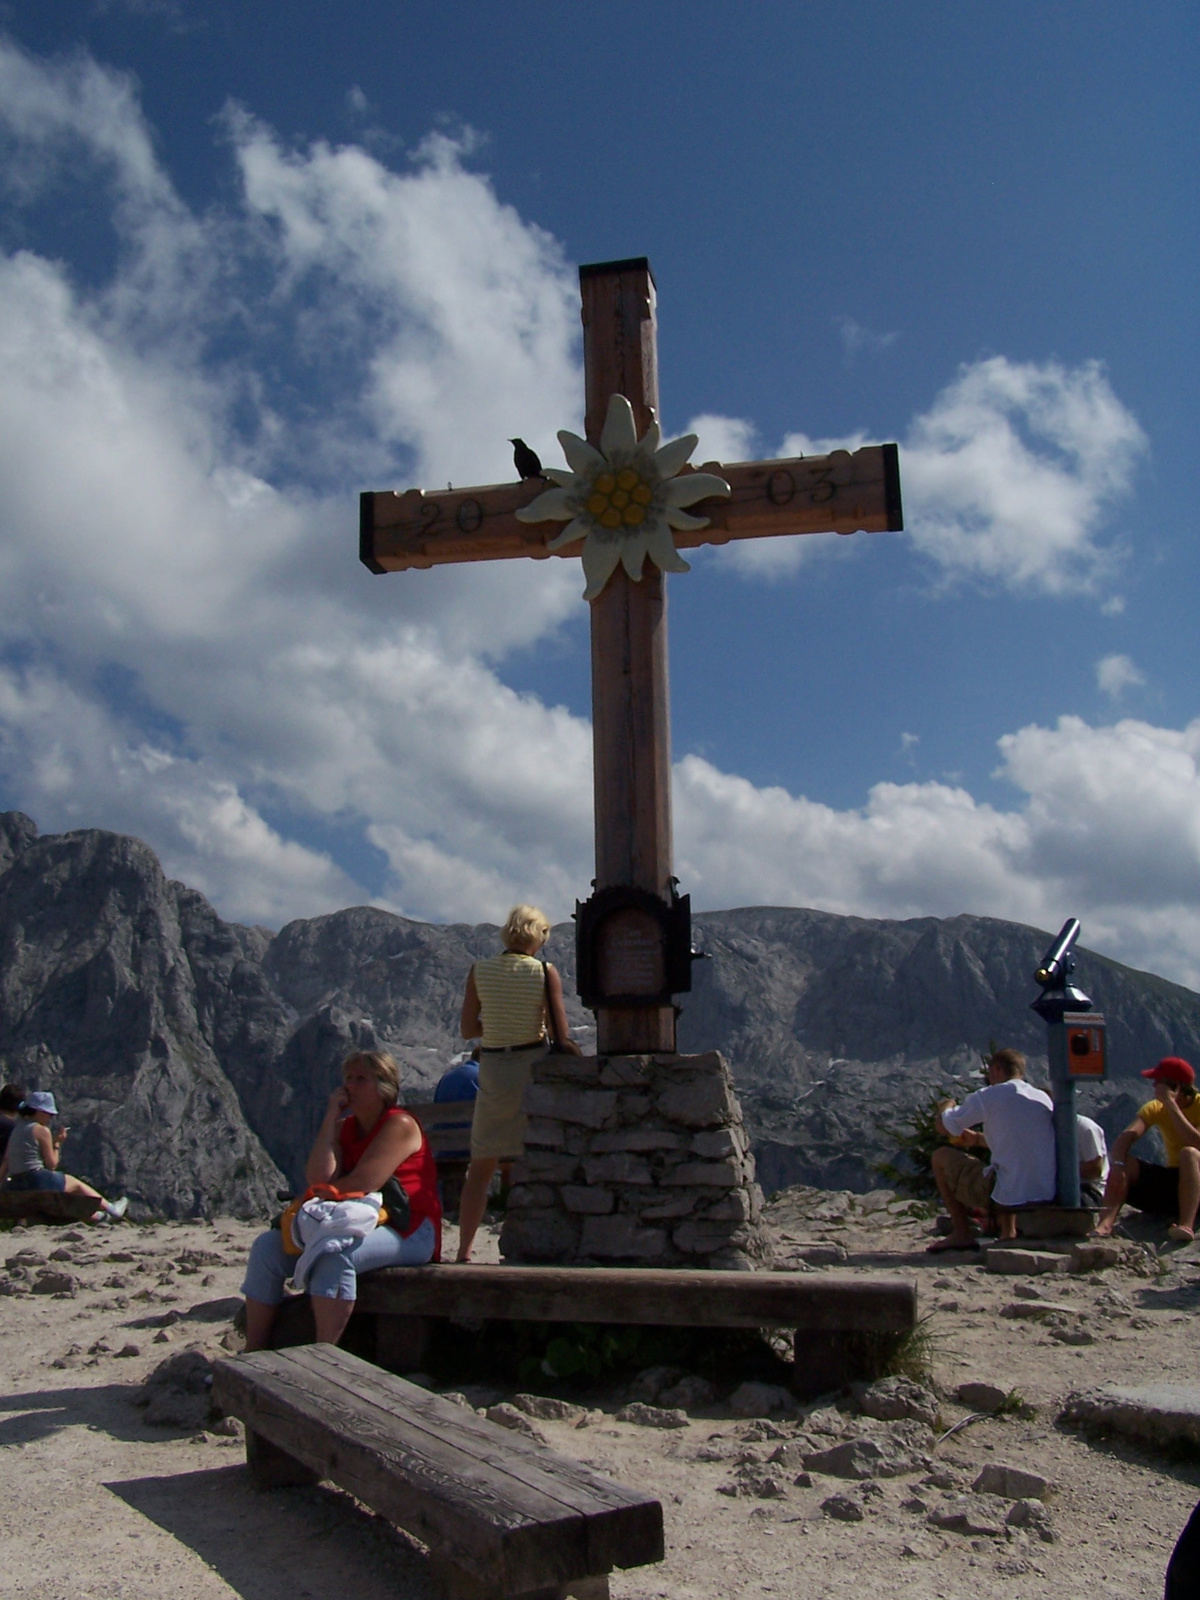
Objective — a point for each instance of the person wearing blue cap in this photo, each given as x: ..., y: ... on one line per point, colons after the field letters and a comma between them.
x: 30, y: 1164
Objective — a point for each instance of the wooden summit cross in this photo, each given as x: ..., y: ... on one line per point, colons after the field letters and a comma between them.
x: 634, y: 933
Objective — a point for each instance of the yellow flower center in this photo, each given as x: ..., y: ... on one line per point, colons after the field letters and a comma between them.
x: 619, y: 499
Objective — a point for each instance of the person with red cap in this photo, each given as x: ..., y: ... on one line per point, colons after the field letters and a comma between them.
x: 1170, y: 1191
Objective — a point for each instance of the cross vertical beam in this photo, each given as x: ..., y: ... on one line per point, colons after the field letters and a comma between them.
x: 631, y: 725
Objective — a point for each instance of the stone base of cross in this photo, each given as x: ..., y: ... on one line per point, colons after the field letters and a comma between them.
x: 634, y: 932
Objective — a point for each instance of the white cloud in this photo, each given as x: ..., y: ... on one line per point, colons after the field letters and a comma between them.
x: 856, y: 338
x: 1008, y: 481
x: 1108, y: 829
x: 1011, y: 475
x: 1115, y: 674
x: 189, y: 649
x: 723, y: 439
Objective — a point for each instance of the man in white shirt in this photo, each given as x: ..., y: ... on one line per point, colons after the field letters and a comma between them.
x: 1093, y: 1162
x: 1018, y: 1129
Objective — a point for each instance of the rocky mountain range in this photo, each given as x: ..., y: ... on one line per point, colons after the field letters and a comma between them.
x: 193, y: 1057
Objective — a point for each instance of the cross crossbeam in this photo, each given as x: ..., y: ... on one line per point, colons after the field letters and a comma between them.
x: 842, y: 492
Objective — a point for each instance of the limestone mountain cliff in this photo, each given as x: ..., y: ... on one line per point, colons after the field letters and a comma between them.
x: 194, y: 1056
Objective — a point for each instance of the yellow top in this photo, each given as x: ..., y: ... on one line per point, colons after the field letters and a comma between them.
x: 1154, y: 1115
x: 512, y: 999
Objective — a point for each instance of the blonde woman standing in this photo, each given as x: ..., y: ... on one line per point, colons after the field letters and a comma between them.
x: 509, y: 1001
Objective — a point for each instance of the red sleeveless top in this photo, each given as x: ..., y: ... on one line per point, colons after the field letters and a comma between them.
x: 417, y: 1175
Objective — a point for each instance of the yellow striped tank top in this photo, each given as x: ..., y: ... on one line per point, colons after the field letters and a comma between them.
x: 511, y: 990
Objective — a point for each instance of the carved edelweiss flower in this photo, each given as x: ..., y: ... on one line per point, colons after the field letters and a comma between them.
x: 623, y: 499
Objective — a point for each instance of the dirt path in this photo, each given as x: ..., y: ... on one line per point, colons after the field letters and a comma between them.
x: 96, y: 1502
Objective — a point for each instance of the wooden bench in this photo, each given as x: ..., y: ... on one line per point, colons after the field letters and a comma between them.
x: 46, y: 1205
x: 844, y: 1327
x: 502, y: 1516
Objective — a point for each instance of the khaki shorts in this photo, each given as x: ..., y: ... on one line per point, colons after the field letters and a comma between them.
x: 498, y: 1126
x: 968, y: 1180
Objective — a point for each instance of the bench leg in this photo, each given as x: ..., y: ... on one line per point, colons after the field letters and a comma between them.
x: 830, y: 1360
x: 401, y: 1342
x: 455, y: 1583
x: 272, y: 1468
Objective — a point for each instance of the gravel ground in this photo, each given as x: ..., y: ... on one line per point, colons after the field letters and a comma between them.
x: 96, y: 1501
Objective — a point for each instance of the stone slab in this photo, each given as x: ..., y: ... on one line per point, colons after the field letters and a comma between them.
x: 1004, y: 1259
x: 1164, y: 1414
x: 1055, y: 1222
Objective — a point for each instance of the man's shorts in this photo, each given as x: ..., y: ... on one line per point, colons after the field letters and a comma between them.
x: 498, y: 1125
x: 967, y: 1179
x: 1156, y: 1190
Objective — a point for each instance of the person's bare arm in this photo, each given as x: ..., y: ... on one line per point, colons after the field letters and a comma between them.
x: 47, y: 1146
x: 399, y: 1138
x: 1125, y: 1141
x: 4, y: 1169
x: 324, y: 1159
x: 556, y: 1013
x: 471, y: 1022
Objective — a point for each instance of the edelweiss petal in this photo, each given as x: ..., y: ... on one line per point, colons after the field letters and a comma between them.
x: 672, y: 456
x: 620, y: 434
x: 582, y: 458
x: 623, y: 499
x: 579, y: 529
x: 599, y: 564
x: 694, y: 486
x: 683, y: 520
x: 663, y: 553
x: 551, y: 505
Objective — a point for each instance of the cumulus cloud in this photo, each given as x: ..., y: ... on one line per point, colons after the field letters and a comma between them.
x: 189, y: 652
x: 1107, y: 828
x: 856, y: 338
x: 1115, y: 674
x: 1009, y: 480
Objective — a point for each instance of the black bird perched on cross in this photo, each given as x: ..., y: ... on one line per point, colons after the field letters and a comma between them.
x: 526, y: 461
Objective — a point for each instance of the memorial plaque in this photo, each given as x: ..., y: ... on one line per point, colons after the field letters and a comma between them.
x: 630, y: 955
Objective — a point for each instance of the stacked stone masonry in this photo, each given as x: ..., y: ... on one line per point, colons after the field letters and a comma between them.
x: 635, y: 1160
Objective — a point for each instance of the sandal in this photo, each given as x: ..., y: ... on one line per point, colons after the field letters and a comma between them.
x: 941, y: 1246
x: 1178, y: 1234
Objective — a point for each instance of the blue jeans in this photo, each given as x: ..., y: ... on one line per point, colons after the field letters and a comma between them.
x: 42, y: 1180
x: 335, y: 1276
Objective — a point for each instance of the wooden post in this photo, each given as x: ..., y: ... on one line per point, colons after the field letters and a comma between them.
x: 631, y: 727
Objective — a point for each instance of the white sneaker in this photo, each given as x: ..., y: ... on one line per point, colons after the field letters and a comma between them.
x: 116, y: 1209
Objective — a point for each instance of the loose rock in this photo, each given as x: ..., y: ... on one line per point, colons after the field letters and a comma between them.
x: 652, y: 1416
x: 987, y: 1397
x: 762, y: 1400
x: 55, y: 1283
x: 1034, y: 1517
x: 843, y: 1508
x: 547, y: 1409
x: 893, y: 1399
x: 507, y: 1416
x: 980, y: 1516
x: 1011, y: 1483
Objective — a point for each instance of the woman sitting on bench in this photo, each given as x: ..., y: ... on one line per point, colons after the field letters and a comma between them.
x: 30, y: 1164
x: 365, y: 1139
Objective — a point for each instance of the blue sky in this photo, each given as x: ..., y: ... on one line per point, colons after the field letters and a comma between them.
x: 256, y: 258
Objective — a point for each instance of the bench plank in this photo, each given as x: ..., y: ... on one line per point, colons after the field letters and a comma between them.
x: 513, y: 1513
x: 644, y: 1296
x: 50, y: 1205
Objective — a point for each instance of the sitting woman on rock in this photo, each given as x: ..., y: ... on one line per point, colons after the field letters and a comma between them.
x: 30, y: 1164
x: 365, y: 1139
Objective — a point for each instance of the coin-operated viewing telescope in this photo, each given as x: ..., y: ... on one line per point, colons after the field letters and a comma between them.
x: 1076, y: 1048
